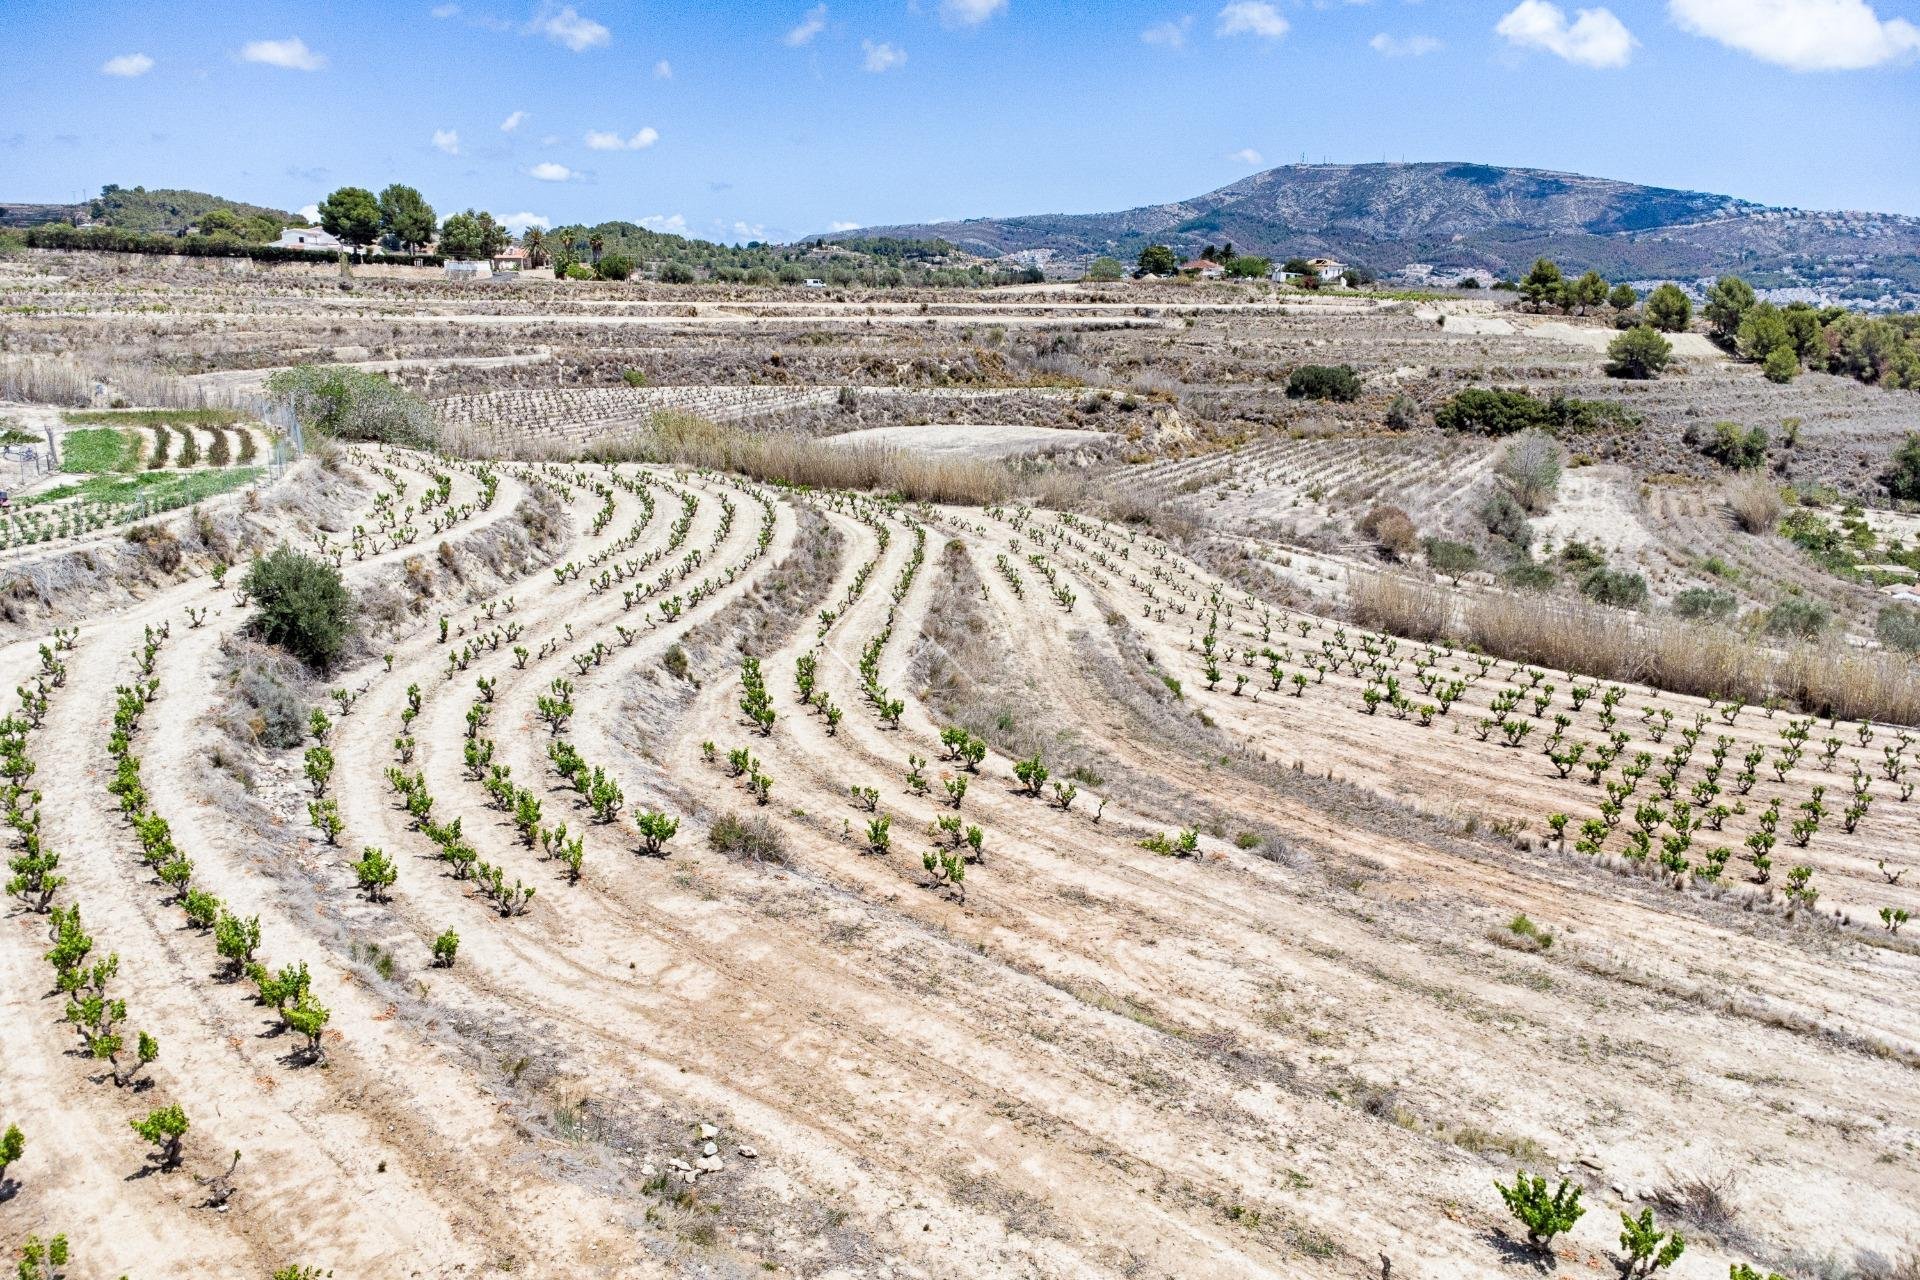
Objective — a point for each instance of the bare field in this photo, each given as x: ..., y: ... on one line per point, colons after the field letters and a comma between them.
x: 1298, y: 937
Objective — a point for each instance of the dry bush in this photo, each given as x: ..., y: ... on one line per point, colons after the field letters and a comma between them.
x: 751, y: 837
x: 1703, y: 1200
x: 1401, y: 606
x: 1756, y: 504
x: 1392, y: 529
x: 684, y: 439
x: 1666, y: 653
x: 49, y: 380
x: 1531, y: 468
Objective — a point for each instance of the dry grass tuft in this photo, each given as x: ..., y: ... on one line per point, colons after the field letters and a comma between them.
x: 1756, y: 504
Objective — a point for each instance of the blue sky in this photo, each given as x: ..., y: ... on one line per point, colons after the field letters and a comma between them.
x: 736, y: 120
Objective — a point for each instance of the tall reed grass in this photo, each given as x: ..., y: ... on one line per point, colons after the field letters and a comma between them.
x: 1830, y: 679
x: 73, y: 385
x: 684, y: 439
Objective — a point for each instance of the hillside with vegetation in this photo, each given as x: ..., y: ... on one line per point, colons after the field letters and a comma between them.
x: 1482, y: 217
x: 168, y: 211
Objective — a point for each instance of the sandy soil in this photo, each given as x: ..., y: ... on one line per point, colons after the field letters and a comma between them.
x: 1289, y: 1058
x: 1693, y: 346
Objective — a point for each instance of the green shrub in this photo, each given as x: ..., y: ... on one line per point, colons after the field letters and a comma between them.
x: 1798, y: 618
x: 352, y: 404
x: 1646, y: 1247
x: 1494, y: 412
x: 301, y: 605
x: 1733, y: 447
x: 1578, y: 555
x: 614, y: 266
x: 1640, y: 352
x: 1506, y: 519
x: 1544, y: 1216
x: 1455, y: 559
x: 579, y: 271
x: 1324, y: 382
x: 1704, y: 603
x: 1898, y: 627
x: 1903, y: 476
x: 1615, y: 587
x: 1529, y: 575
x: 1781, y: 366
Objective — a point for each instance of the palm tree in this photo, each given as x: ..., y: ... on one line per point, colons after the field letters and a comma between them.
x: 596, y: 242
x: 535, y: 243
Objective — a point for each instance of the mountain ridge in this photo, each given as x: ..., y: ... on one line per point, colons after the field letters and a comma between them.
x: 1468, y: 216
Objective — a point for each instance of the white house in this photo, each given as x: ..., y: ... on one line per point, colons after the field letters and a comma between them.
x: 312, y: 239
x: 510, y: 259
x: 1205, y: 268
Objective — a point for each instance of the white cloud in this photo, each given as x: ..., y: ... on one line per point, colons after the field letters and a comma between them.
x: 749, y: 231
x: 1404, y: 46
x: 1246, y: 155
x: 548, y: 171
x: 1595, y: 38
x: 843, y: 226
x: 672, y: 224
x: 448, y: 140
x: 969, y: 13
x: 127, y: 65
x: 663, y: 70
x: 882, y: 57
x: 1802, y: 35
x: 808, y: 27
x: 311, y: 212
x: 513, y: 122
x: 566, y: 26
x: 445, y: 11
x: 599, y: 141
x: 519, y: 222
x: 1251, y: 18
x: 291, y: 54
x: 1168, y: 35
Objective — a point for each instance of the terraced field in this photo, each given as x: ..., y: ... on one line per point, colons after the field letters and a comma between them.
x: 687, y: 873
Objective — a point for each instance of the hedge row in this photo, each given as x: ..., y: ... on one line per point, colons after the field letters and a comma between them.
x: 58, y: 235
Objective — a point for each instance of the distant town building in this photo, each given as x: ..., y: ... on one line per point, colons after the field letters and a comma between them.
x: 1205, y: 268
x: 510, y: 259
x: 311, y: 239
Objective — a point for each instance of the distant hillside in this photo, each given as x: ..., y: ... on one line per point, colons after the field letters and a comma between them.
x: 166, y: 211
x: 160, y: 212
x: 33, y: 215
x: 1461, y: 216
